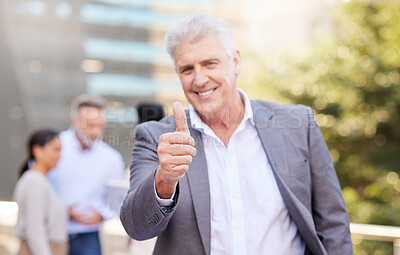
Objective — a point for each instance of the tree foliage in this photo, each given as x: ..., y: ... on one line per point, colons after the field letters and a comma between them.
x: 352, y: 81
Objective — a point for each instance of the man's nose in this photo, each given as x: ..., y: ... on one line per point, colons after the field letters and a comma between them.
x: 200, y: 78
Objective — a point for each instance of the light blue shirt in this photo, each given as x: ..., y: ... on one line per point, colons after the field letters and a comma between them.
x: 81, y: 175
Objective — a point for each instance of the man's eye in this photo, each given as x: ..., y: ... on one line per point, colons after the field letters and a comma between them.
x: 186, y: 70
x: 211, y: 63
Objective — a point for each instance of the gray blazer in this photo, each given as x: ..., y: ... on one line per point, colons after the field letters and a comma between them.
x: 300, y: 162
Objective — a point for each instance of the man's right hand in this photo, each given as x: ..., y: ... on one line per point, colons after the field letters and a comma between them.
x: 175, y: 151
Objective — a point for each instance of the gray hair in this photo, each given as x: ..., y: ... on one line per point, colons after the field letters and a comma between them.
x: 87, y: 100
x: 194, y: 28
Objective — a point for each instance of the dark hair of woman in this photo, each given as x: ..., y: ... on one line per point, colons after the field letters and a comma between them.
x: 39, y: 137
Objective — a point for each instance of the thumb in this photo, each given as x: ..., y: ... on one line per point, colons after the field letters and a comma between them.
x: 180, y: 118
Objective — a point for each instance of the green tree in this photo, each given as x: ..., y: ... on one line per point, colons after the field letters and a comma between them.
x: 352, y: 81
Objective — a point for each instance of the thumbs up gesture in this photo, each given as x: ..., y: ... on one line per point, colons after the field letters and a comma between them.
x: 180, y: 118
x: 175, y: 152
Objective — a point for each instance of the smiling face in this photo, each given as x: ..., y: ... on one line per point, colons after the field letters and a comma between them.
x: 208, y: 74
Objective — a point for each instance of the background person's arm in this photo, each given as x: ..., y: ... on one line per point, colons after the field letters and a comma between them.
x: 35, y: 217
x: 116, y: 171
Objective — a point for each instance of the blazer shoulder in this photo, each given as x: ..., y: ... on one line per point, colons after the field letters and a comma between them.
x: 272, y: 105
x: 287, y: 110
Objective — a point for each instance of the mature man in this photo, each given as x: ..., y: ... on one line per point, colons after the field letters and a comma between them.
x: 240, y: 176
x: 86, y: 164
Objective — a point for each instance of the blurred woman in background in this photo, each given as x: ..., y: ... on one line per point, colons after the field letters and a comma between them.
x: 42, y: 217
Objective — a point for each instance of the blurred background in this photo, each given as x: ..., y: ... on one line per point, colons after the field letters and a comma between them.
x: 342, y: 58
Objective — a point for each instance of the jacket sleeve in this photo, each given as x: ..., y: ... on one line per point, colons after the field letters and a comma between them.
x: 328, y: 206
x: 141, y: 214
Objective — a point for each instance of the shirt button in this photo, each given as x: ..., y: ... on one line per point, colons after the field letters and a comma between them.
x: 237, y: 225
x: 234, y: 194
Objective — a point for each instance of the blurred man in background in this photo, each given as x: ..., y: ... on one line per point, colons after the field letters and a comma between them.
x: 86, y: 164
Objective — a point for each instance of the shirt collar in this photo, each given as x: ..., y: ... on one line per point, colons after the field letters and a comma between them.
x: 198, y: 124
x: 76, y: 143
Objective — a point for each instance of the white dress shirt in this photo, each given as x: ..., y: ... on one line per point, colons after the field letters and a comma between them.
x: 81, y: 175
x: 248, y: 214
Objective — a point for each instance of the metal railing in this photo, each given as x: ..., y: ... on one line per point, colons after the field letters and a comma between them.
x: 377, y: 233
x: 116, y: 238
x: 358, y: 231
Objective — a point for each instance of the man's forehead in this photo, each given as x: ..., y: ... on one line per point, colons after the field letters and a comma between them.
x: 187, y: 53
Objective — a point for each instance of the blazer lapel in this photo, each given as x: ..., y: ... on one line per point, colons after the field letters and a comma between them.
x: 271, y: 136
x: 200, y: 189
x: 272, y: 139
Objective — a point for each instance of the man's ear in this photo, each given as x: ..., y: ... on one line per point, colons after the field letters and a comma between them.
x: 237, y: 60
